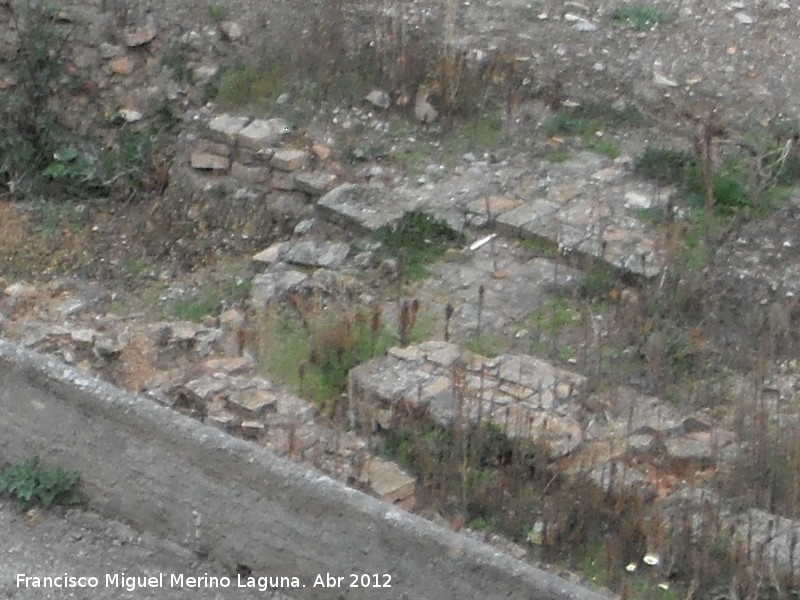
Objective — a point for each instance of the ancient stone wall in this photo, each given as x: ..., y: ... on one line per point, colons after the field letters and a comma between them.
x: 238, y: 502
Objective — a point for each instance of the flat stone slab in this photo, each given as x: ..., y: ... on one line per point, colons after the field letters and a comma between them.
x: 387, y: 481
x: 262, y: 133
x: 205, y: 161
x: 504, y: 274
x: 314, y: 184
x: 272, y: 254
x: 252, y: 403
x: 364, y: 207
x: 225, y: 128
x: 317, y: 253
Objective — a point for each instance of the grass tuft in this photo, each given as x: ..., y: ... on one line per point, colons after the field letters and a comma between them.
x: 420, y: 238
x: 640, y: 17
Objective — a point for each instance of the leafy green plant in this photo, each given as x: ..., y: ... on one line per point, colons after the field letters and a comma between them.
x: 640, y: 17
x: 217, y: 12
x: 30, y: 483
x: 41, y: 157
x: 418, y: 237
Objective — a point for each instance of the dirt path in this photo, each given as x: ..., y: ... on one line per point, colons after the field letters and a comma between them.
x: 83, y: 544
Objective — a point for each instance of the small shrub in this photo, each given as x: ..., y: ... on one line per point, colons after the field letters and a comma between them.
x: 176, y: 58
x: 665, y: 166
x: 420, y: 238
x: 30, y: 134
x: 731, y: 183
x: 599, y: 281
x: 640, y: 17
x: 31, y: 483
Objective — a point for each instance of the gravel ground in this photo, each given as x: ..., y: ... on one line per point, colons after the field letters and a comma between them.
x: 53, y: 543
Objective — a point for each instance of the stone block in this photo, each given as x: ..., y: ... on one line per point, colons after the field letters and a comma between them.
x: 225, y: 128
x: 314, y: 184
x: 272, y: 284
x: 230, y: 365
x: 283, y: 181
x: 317, y: 253
x: 367, y: 207
x: 205, y: 161
x: 387, y: 481
x: 204, y: 389
x: 262, y: 133
x: 251, y: 403
x: 289, y: 159
x: 253, y: 429
x: 223, y: 420
x: 270, y: 255
x: 250, y: 174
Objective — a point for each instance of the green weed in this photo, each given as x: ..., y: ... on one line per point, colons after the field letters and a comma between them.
x: 486, y: 345
x: 474, y: 135
x: 479, y: 523
x: 730, y: 187
x: 554, y: 316
x: 314, y: 354
x: 30, y: 133
x: 418, y: 237
x: 640, y: 17
x: 736, y: 184
x: 555, y: 155
x: 602, y: 146
x: 217, y: 12
x: 590, y: 123
x: 592, y: 118
x: 53, y: 216
x: 599, y: 281
x: 209, y: 300
x: 539, y: 246
x: 665, y: 166
x: 30, y: 483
